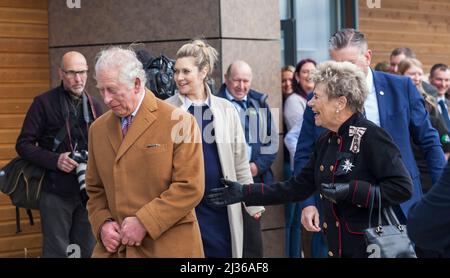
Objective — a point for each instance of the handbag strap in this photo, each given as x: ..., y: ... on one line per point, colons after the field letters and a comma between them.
x: 372, y: 200
x: 388, y: 212
x: 375, y: 194
x: 378, y: 193
x: 391, y: 217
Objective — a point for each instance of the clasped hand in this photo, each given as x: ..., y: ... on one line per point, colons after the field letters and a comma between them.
x: 131, y: 233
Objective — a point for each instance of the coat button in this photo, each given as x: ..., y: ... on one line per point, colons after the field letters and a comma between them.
x: 337, y: 224
x: 339, y: 141
x: 330, y: 254
x: 331, y: 168
x: 325, y: 225
x: 321, y: 168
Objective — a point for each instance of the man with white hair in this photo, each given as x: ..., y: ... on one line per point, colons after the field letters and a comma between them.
x: 143, y: 185
x: 261, y: 136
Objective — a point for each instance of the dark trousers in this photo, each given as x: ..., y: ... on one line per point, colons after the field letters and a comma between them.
x: 319, y: 246
x: 253, y: 246
x: 293, y: 230
x: 65, y: 227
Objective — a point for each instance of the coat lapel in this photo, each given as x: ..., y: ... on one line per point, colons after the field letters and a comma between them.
x: 114, y: 132
x: 143, y: 120
x: 381, y: 91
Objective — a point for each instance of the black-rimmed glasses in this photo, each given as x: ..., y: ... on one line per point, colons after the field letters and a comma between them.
x: 73, y: 73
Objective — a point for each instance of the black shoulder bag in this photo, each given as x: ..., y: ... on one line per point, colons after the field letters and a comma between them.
x: 387, y: 241
x: 22, y: 181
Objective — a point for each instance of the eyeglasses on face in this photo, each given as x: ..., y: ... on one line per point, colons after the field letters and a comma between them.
x: 72, y: 73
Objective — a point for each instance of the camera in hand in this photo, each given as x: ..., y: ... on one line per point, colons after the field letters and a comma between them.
x: 81, y: 158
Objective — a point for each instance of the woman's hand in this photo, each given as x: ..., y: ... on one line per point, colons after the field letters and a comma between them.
x: 220, y: 197
x: 335, y: 192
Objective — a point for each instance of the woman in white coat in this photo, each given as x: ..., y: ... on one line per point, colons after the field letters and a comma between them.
x: 224, y: 148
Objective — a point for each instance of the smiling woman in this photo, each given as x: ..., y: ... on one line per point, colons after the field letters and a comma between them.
x: 339, y: 93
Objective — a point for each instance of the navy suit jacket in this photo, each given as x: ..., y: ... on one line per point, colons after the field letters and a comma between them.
x: 263, y: 153
x: 403, y: 115
x: 428, y: 221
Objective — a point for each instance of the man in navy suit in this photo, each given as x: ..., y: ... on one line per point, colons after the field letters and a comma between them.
x: 426, y: 230
x: 393, y: 103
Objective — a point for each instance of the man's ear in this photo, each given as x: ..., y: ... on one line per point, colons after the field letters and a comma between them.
x: 368, y: 56
x: 60, y: 73
x: 137, y: 84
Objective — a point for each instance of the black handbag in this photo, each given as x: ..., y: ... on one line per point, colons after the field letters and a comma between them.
x: 387, y: 241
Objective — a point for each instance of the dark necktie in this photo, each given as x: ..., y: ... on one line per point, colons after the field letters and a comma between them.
x: 126, y: 124
x: 241, y: 103
x: 444, y: 113
x: 244, y: 118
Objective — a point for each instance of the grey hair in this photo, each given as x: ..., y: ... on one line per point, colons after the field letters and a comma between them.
x: 348, y: 37
x: 124, y: 61
x: 204, y: 54
x: 343, y: 79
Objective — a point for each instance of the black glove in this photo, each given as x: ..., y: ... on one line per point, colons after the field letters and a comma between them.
x: 220, y: 197
x: 335, y: 192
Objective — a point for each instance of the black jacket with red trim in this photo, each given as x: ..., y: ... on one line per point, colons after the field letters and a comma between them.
x: 338, y: 158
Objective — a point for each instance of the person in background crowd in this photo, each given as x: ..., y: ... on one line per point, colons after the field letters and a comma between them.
x: 397, y: 55
x: 224, y: 148
x: 295, y: 104
x: 346, y: 165
x: 63, y: 114
x: 294, y: 107
x: 413, y: 68
x: 144, y: 176
x: 440, y: 78
x: 287, y: 77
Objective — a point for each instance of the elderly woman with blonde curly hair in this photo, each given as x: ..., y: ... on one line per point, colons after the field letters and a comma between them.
x: 349, y: 162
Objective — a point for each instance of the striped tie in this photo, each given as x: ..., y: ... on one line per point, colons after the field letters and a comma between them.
x: 244, y: 117
x: 126, y: 124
